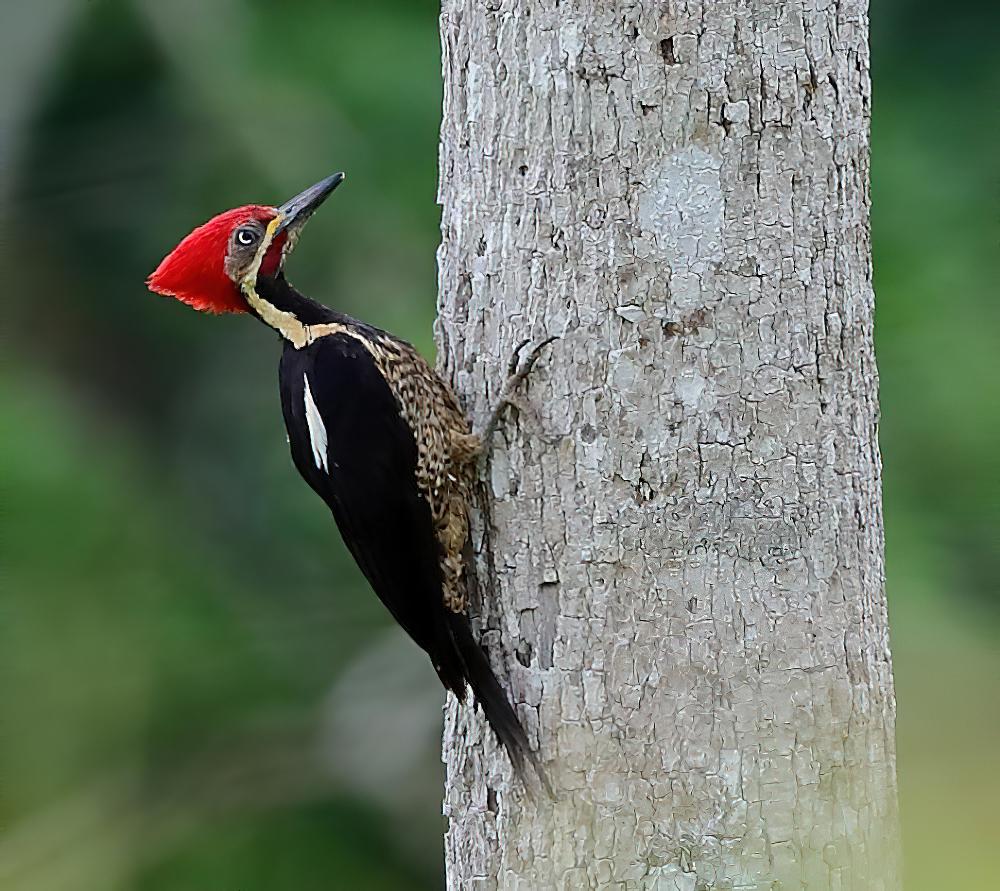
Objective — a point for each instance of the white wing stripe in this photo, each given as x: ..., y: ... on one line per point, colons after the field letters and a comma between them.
x: 317, y: 430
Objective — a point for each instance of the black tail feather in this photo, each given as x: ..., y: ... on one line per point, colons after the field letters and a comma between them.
x: 490, y: 695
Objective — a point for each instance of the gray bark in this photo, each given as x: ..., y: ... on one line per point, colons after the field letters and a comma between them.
x: 682, y: 578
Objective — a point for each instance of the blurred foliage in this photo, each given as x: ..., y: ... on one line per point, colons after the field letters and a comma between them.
x: 183, y: 636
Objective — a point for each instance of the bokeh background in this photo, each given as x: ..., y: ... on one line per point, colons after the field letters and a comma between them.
x: 197, y: 689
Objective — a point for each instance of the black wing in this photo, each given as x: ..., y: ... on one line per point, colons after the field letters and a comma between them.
x: 351, y: 445
x: 367, y: 475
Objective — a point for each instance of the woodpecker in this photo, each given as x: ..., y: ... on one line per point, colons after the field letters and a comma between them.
x: 375, y: 432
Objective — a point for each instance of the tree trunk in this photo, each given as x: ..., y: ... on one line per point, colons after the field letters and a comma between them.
x: 682, y: 577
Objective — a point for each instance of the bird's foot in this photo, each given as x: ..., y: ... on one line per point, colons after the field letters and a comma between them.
x: 518, y: 370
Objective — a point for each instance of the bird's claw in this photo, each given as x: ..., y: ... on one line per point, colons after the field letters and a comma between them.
x: 518, y: 370
x: 515, y: 357
x: 528, y: 412
x: 523, y: 407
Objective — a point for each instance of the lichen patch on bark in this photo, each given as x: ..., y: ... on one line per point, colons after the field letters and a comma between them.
x: 682, y: 209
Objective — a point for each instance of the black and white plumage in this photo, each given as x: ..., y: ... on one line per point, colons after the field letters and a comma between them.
x: 375, y: 432
x: 400, y: 504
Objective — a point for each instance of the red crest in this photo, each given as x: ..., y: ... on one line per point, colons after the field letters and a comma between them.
x: 194, y: 271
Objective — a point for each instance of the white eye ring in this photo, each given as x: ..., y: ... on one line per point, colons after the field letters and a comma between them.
x: 246, y: 237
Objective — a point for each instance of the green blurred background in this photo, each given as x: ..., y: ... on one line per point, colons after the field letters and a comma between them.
x: 198, y: 690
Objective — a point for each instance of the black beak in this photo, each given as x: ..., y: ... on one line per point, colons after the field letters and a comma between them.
x: 295, y: 212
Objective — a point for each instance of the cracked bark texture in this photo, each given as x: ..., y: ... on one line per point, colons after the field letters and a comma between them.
x: 682, y: 578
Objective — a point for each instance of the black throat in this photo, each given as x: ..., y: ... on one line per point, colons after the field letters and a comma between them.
x: 281, y: 295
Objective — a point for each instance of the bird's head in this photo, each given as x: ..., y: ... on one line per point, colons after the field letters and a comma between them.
x: 211, y: 266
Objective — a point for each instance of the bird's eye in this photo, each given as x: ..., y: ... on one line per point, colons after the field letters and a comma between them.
x: 246, y: 236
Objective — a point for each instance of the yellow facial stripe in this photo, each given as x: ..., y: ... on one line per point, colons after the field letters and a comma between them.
x: 250, y: 276
x: 283, y: 322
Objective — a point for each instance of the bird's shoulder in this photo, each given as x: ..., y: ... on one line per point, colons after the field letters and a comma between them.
x: 424, y: 397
